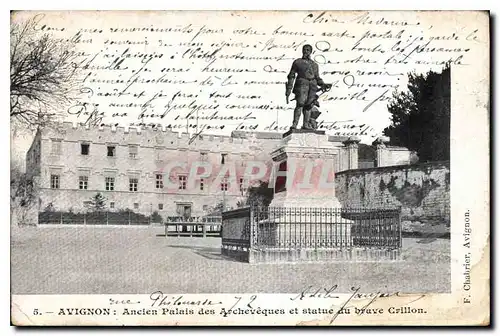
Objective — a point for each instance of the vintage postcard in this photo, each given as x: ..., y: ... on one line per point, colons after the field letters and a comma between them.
x: 250, y: 168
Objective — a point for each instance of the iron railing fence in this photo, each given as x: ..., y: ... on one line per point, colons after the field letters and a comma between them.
x: 122, y: 217
x: 290, y: 228
x: 265, y: 227
x: 128, y: 217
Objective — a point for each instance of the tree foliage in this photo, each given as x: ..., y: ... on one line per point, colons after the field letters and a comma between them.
x: 421, y: 115
x: 217, y: 209
x: 97, y: 203
x: 259, y: 195
x: 43, y: 75
x: 22, y: 188
x: 23, y: 197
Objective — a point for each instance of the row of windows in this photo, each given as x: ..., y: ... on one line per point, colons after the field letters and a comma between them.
x: 112, y: 205
x: 133, y: 151
x: 181, y: 208
x: 83, y: 183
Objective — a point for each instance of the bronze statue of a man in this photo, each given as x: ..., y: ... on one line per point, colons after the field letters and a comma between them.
x: 307, y: 84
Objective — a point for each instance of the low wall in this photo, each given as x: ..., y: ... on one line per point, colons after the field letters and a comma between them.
x: 236, y: 240
x: 421, y: 190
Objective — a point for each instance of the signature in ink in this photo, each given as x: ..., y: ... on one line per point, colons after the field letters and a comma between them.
x: 310, y: 292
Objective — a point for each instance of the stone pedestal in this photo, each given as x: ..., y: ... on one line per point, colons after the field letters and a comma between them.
x: 352, y: 152
x: 304, y: 180
x: 304, y: 171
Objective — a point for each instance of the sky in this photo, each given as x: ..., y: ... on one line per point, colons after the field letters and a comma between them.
x: 220, y: 71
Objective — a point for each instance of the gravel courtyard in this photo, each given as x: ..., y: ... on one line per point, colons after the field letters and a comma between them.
x: 135, y: 260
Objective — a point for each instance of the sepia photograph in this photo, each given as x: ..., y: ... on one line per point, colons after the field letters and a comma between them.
x: 249, y: 167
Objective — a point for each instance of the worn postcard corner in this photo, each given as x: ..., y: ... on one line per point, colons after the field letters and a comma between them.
x: 250, y: 168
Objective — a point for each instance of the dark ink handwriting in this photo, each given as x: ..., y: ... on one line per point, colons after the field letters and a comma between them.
x: 122, y: 302
x: 310, y: 292
x: 159, y: 299
x: 225, y: 78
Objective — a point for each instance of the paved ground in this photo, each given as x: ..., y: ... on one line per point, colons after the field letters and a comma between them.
x: 69, y: 260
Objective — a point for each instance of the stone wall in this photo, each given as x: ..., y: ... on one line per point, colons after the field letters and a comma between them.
x: 421, y: 190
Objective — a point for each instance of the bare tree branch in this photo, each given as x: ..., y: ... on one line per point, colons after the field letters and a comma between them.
x: 42, y: 75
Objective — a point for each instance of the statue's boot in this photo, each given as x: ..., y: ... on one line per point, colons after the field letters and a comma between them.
x: 307, y: 117
x: 296, y: 116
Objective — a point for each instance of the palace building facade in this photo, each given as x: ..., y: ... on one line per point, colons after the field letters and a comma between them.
x: 152, y: 169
